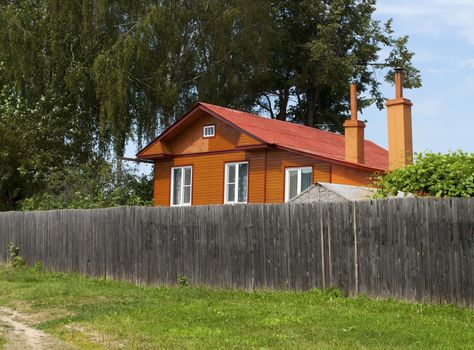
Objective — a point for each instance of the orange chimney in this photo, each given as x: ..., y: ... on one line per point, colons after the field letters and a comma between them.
x: 354, y: 132
x: 400, y: 142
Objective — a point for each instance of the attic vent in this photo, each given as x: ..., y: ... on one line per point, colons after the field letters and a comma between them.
x: 209, y: 131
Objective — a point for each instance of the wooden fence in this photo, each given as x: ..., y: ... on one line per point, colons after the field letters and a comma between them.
x: 404, y: 248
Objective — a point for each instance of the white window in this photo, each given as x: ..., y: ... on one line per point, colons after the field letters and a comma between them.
x: 297, y: 180
x: 181, y: 180
x: 209, y: 131
x: 236, y: 182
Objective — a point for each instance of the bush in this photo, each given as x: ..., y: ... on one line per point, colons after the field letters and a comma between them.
x: 14, y: 255
x: 96, y: 184
x: 182, y: 281
x: 432, y: 174
x: 38, y: 267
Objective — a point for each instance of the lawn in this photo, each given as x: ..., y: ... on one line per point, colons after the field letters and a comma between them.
x: 99, y: 314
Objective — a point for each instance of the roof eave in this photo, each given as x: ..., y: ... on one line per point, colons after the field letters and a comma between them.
x: 332, y: 160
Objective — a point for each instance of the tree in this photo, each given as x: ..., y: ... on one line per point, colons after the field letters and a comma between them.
x: 177, y: 53
x: 49, y: 109
x: 321, y: 47
x: 128, y: 69
x: 432, y: 174
x: 33, y: 140
x: 293, y: 59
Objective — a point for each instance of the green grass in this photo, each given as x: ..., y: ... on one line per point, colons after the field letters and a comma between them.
x: 97, y: 314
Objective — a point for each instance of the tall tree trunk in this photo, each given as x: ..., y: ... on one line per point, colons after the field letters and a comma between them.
x: 283, y: 96
x: 312, y: 99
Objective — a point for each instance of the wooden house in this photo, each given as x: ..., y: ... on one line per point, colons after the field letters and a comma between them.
x: 217, y: 155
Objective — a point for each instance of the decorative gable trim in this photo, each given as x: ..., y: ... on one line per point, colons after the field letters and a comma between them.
x: 149, y: 152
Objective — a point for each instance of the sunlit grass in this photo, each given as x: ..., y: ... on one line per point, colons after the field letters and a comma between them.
x: 97, y: 314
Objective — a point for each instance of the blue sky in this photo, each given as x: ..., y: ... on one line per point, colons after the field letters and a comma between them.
x: 442, y: 36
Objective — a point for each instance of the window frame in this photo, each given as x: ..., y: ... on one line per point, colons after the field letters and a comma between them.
x: 236, y: 194
x: 182, y: 186
x: 287, y: 179
x: 204, y: 136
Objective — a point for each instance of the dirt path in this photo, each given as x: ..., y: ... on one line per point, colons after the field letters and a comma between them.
x: 21, y: 336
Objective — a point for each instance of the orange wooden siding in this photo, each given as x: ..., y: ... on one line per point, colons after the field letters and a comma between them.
x: 191, y: 139
x: 208, y: 175
x: 158, y: 148
x: 350, y: 176
x: 246, y: 140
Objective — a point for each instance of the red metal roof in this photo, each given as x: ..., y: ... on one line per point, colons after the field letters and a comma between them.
x: 299, y: 138
x: 290, y: 136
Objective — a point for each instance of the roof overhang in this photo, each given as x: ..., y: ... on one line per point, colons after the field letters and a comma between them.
x: 332, y: 160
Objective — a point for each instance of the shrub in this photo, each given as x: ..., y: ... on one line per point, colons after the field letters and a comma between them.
x: 432, y: 174
x: 96, y: 184
x: 14, y: 255
x: 38, y: 267
x: 182, y: 281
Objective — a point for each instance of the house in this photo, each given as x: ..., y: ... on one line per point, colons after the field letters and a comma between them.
x: 217, y: 155
x: 330, y: 192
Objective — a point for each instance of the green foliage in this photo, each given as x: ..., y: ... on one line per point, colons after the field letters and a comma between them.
x: 321, y: 46
x: 34, y: 140
x: 127, y: 68
x: 95, y: 184
x: 14, y: 255
x: 182, y: 281
x: 13, y: 251
x: 123, y: 315
x: 38, y: 266
x: 432, y: 174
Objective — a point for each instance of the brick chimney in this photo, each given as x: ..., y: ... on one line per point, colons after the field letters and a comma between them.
x: 354, y: 133
x: 400, y: 142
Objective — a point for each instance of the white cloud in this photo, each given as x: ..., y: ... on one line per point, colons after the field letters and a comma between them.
x: 429, y: 107
x: 469, y: 63
x: 454, y: 2
x: 438, y: 70
x: 432, y: 16
x: 384, y: 8
x: 442, y: 36
x: 463, y: 20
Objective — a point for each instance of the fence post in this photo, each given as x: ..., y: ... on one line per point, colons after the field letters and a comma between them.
x: 356, y: 252
x: 321, y: 232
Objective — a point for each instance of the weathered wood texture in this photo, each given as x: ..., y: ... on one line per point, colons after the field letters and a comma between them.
x: 406, y: 248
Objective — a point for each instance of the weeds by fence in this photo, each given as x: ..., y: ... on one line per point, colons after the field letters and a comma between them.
x: 405, y: 248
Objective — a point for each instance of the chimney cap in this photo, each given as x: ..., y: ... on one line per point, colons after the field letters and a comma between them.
x: 399, y: 69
